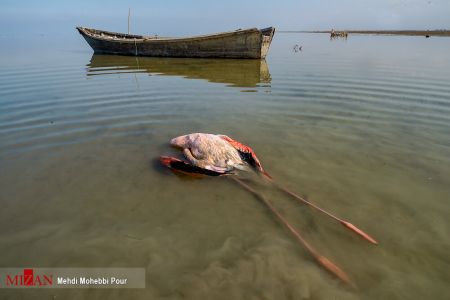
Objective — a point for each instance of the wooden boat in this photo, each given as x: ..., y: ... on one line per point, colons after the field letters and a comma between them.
x: 233, y: 72
x: 246, y: 43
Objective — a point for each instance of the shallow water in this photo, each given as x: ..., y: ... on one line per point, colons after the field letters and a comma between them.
x: 361, y: 127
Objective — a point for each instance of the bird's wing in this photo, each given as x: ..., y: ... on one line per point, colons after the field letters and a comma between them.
x: 202, y: 164
x: 247, y: 154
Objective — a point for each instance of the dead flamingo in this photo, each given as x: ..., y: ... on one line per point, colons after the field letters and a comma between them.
x: 208, y: 151
x: 209, y: 155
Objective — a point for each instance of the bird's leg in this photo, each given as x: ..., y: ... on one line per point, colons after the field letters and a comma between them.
x: 322, y: 260
x: 253, y: 160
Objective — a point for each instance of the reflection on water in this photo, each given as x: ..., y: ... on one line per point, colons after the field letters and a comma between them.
x: 360, y: 127
x: 236, y: 72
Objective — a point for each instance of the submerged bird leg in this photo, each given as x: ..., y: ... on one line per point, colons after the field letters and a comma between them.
x: 252, y: 159
x: 322, y: 260
x: 343, y: 222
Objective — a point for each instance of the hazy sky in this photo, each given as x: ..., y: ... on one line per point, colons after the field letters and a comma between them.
x: 199, y: 16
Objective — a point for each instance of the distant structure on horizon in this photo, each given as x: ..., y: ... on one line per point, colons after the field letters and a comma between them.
x: 338, y: 34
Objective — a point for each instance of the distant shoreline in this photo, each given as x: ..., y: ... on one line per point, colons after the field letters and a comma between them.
x: 381, y: 32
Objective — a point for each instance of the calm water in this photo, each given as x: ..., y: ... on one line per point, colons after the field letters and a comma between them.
x: 361, y: 127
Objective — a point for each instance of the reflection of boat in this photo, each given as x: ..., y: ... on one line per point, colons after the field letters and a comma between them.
x: 237, y: 72
x: 247, y: 43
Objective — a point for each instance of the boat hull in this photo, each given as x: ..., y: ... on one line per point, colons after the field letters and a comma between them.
x: 250, y: 43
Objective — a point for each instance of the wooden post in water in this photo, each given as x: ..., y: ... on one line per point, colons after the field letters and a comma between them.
x: 129, y: 11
